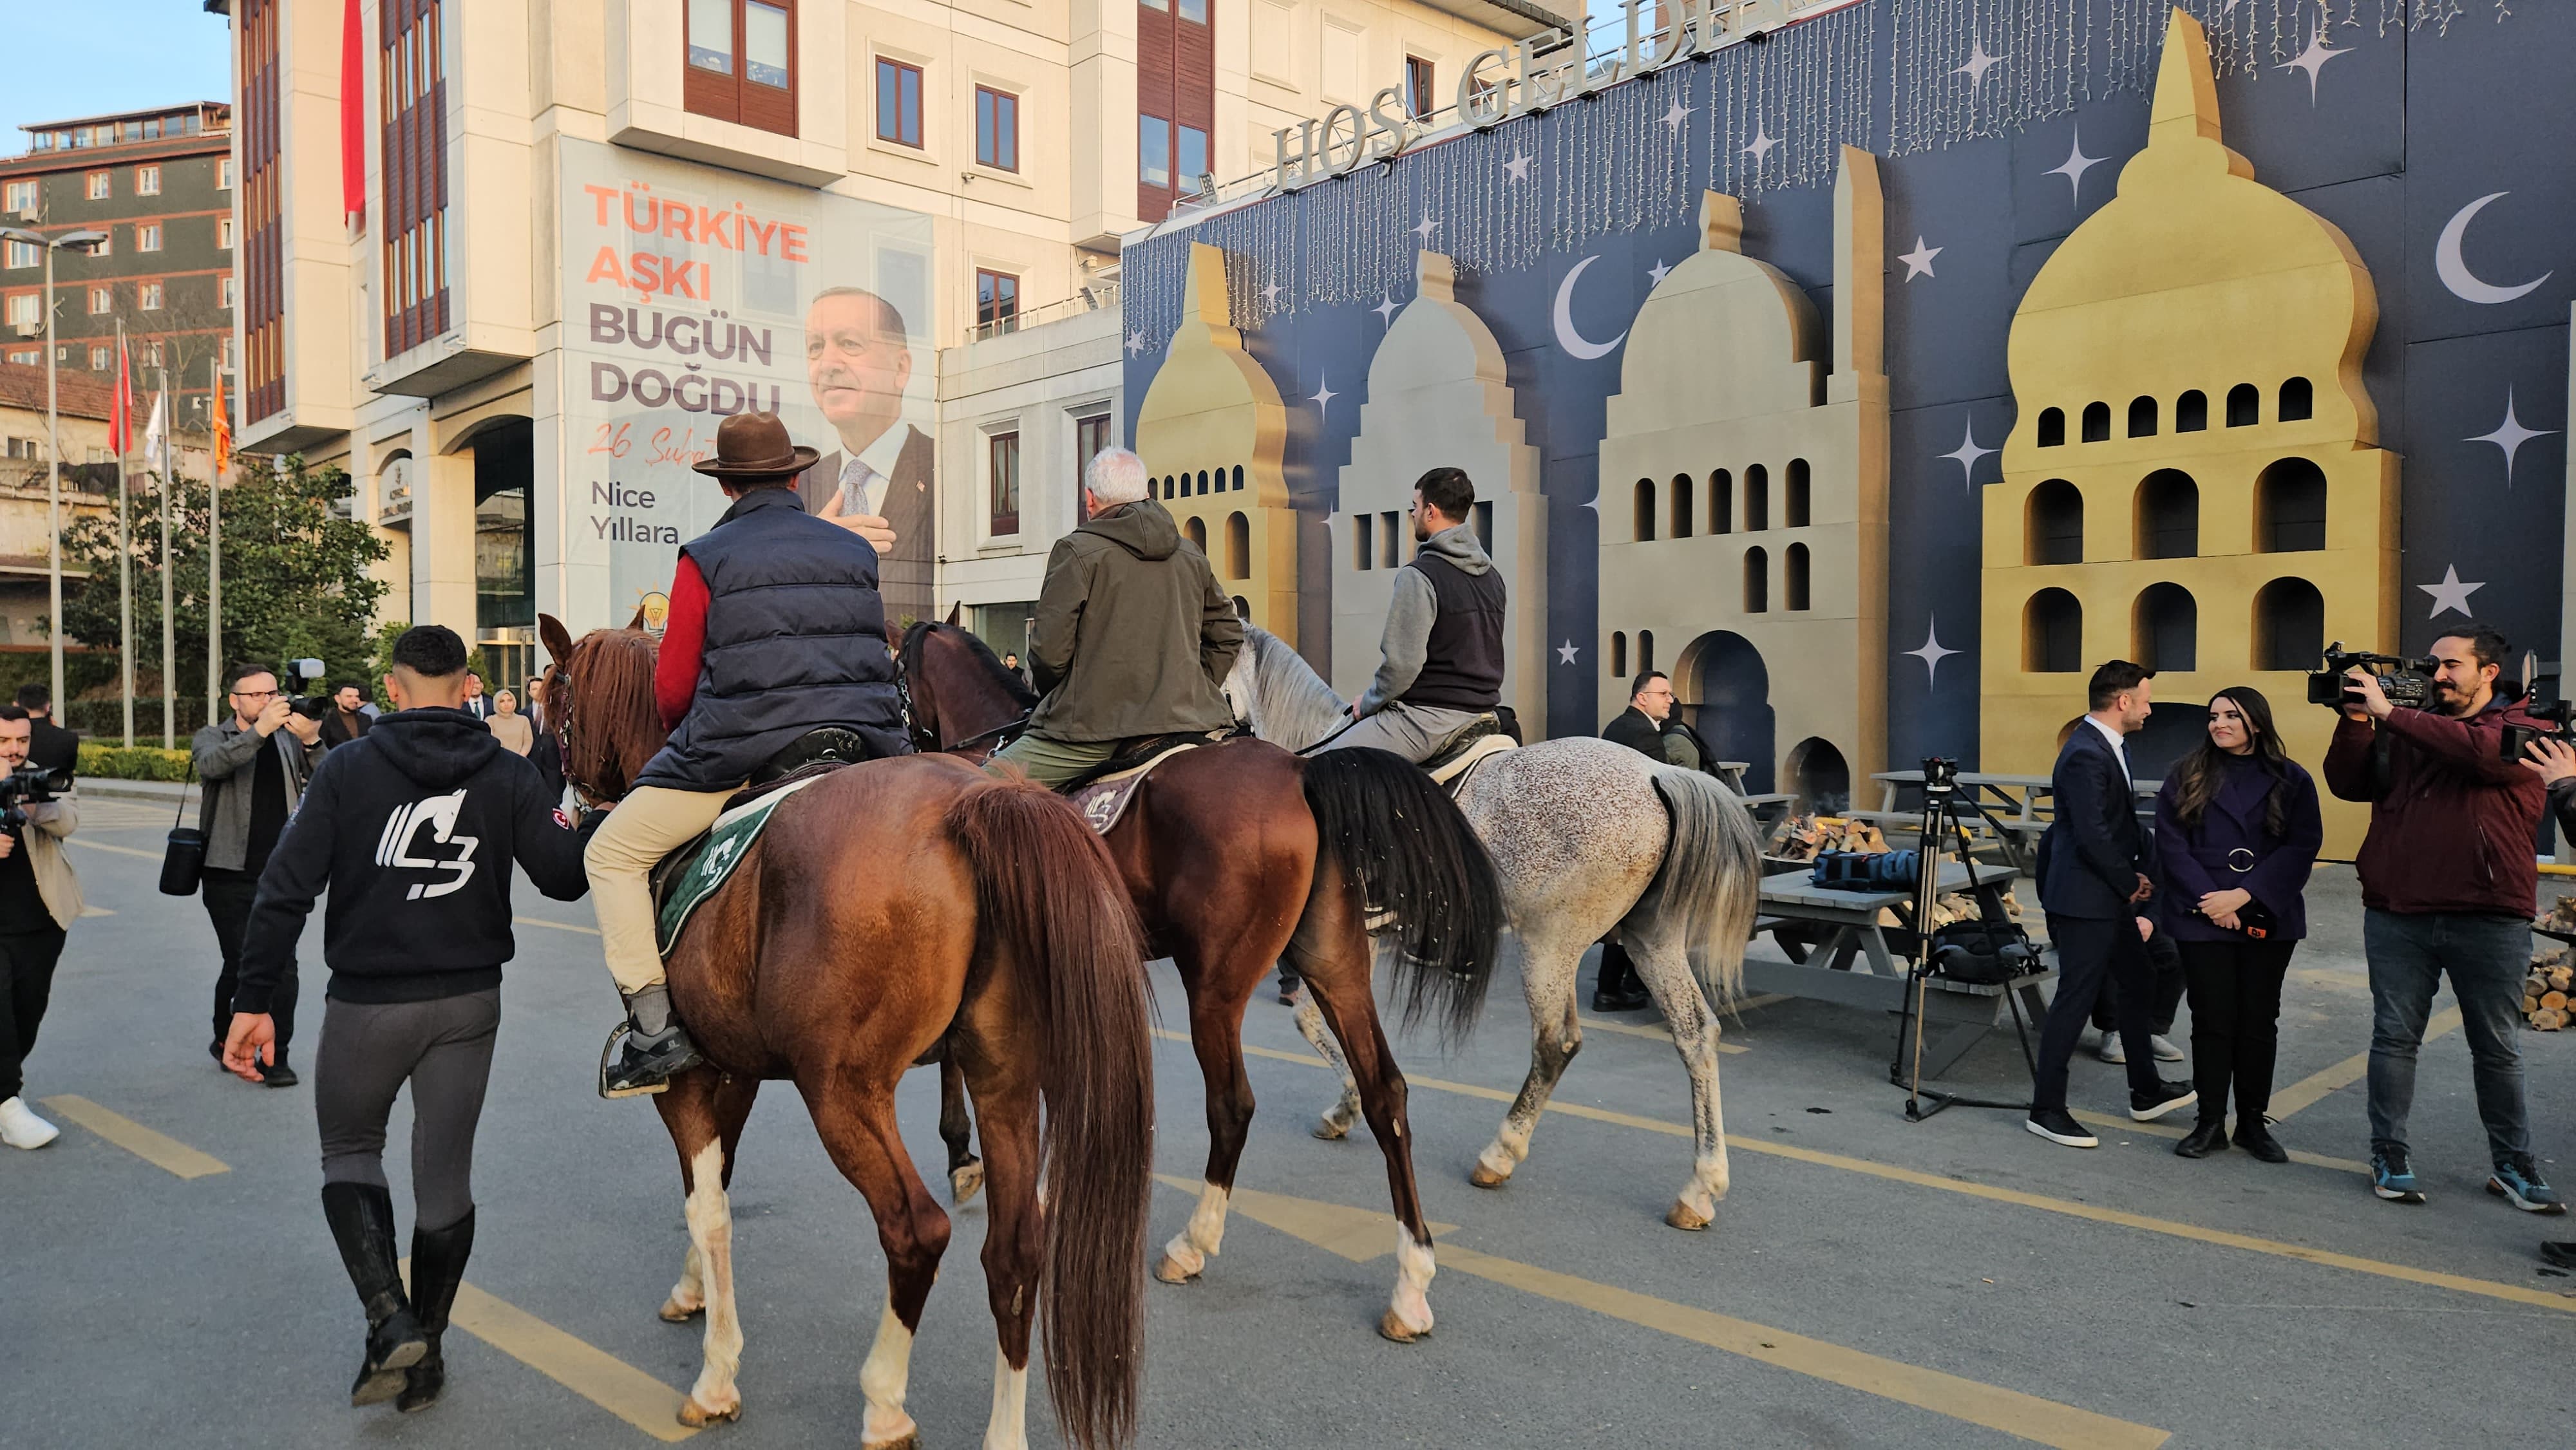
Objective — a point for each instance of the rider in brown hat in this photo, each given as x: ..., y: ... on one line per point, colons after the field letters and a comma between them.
x: 770, y: 594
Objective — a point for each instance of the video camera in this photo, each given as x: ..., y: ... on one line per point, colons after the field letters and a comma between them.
x: 2554, y: 718
x: 2408, y: 683
x: 311, y: 707
x: 25, y: 786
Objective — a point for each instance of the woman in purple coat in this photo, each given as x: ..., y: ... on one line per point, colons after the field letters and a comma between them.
x: 2236, y: 833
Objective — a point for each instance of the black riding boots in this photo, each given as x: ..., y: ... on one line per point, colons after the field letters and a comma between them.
x: 647, y: 1048
x: 361, y: 1216
x: 437, y: 1267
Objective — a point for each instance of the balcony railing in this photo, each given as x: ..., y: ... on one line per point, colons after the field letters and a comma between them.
x: 1094, y: 297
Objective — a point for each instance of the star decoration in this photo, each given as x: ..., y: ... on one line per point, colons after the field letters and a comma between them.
x: 1270, y: 296
x: 2312, y: 60
x: 1656, y: 274
x: 2510, y: 435
x: 1324, y: 394
x: 1675, y: 115
x: 1978, y: 64
x: 1136, y: 341
x: 1918, y: 263
x: 1385, y: 310
x: 1565, y: 653
x: 1967, y: 454
x: 2077, y: 163
x: 1518, y: 167
x: 2451, y: 593
x: 1932, y: 654
x: 1763, y: 141
x: 1424, y: 229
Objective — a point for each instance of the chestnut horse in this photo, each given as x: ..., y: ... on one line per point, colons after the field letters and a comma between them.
x: 1240, y: 855
x: 991, y: 921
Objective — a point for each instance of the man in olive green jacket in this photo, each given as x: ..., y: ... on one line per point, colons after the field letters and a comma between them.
x: 1134, y: 636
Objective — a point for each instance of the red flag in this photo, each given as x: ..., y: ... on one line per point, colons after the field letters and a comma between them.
x: 223, y: 427
x: 120, y: 423
x: 353, y: 112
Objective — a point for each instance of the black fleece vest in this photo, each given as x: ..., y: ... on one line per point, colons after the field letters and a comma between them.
x: 1462, y: 667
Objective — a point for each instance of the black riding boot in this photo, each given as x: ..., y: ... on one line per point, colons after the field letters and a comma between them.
x: 1617, y: 989
x: 648, y: 1050
x: 361, y: 1216
x: 437, y: 1267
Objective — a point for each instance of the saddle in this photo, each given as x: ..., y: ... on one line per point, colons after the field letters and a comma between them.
x: 684, y: 879
x: 1102, y: 792
x: 1483, y: 738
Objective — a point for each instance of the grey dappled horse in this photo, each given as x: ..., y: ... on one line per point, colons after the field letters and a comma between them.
x: 1587, y: 836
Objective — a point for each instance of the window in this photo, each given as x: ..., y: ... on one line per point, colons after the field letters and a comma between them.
x: 147, y: 180
x: 1420, y: 99
x: 1238, y: 546
x: 711, y: 35
x: 2290, y: 507
x: 102, y: 301
x: 1721, y: 502
x: 21, y: 197
x: 98, y: 185
x: 224, y: 174
x: 1645, y: 511
x: 2298, y: 401
x: 148, y: 296
x: 1153, y: 151
x: 741, y: 62
x: 1793, y: 576
x: 1797, y: 499
x: 2191, y: 412
x: 24, y: 309
x: 1364, y: 541
x: 1757, y: 499
x: 2142, y: 417
x: 2052, y: 634
x: 997, y: 297
x: 1004, y: 451
x: 152, y: 354
x: 898, y: 102
x: 1619, y: 653
x: 1757, y: 581
x: 224, y: 232
x: 24, y: 254
x: 2053, y: 524
x: 1193, y: 160
x: 2097, y: 422
x: 147, y: 237
x: 1193, y: 11
x: 98, y: 357
x: 2168, y: 516
x: 106, y: 243
x: 2052, y: 427
x: 765, y: 57
x: 2244, y: 406
x: 412, y: 256
x: 1645, y: 650
x: 2289, y: 625
x: 224, y: 292
x: 1390, y: 539
x: 997, y: 129
x: 1681, y: 507
x: 2165, y: 628
x: 1090, y: 440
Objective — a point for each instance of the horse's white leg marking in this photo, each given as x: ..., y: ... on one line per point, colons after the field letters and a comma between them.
x: 1409, y: 1316
x: 1310, y: 1025
x: 882, y: 1379
x: 1203, y: 1235
x: 1547, y: 983
x: 1666, y: 972
x: 690, y: 1294
x: 1009, y: 1427
x: 710, y: 1218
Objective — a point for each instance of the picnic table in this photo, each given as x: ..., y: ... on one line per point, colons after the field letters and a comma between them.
x: 2019, y: 805
x: 1854, y: 963
x: 1760, y: 803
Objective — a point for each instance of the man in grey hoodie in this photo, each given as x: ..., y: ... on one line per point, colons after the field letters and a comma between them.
x: 1444, y: 632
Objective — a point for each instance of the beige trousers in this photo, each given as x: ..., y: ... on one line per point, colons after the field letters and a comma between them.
x: 650, y: 823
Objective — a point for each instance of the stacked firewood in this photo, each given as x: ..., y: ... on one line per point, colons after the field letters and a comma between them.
x: 1804, y: 838
x: 1959, y: 906
x: 2546, y: 991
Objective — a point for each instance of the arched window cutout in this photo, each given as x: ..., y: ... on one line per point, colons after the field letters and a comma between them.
x: 1793, y: 577
x: 1238, y: 547
x: 2052, y: 634
x: 2289, y: 625
x: 1721, y: 502
x: 2053, y: 524
x: 2191, y: 412
x: 1796, y: 498
x: 1757, y: 581
x: 1644, y: 530
x: 2097, y: 422
x: 1619, y: 654
x: 1242, y: 607
x: 2168, y: 516
x: 2142, y: 417
x: 1757, y: 499
x: 2164, y: 628
x: 2244, y: 406
x: 2290, y: 507
x: 1363, y: 541
x: 1681, y: 506
x: 1195, y: 530
x: 1238, y: 475
x: 2298, y: 401
x: 2052, y: 427
x: 1645, y: 650
x: 1167, y: 485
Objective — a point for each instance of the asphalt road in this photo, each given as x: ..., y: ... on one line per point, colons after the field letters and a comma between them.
x: 2117, y: 1297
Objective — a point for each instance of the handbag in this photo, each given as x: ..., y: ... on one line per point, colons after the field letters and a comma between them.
x: 183, y: 856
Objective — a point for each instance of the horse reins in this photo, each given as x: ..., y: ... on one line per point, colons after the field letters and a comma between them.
x: 926, y: 742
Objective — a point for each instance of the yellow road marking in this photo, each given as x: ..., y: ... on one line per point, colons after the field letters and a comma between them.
x: 1651, y: 1034
x: 555, y: 925
x: 120, y: 850
x: 1361, y: 1235
x: 2460, y: 1283
x: 2308, y: 1090
x: 158, y: 1149
x: 2118, y: 1124
x: 89, y: 910
x: 594, y: 1374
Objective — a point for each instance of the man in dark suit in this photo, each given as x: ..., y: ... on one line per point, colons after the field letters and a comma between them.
x: 858, y: 359
x: 477, y: 704
x: 2095, y: 865
x: 48, y: 745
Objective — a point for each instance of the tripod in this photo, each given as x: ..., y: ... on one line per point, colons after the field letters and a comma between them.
x: 1943, y: 831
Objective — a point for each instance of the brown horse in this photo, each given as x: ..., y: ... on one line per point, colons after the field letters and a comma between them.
x: 994, y: 924
x: 1241, y: 855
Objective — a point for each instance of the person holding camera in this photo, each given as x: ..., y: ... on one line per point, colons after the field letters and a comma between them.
x: 254, y: 766
x: 2237, y: 831
x: 412, y: 828
x: 2094, y: 885
x: 347, y: 718
x: 2448, y: 883
x: 40, y: 898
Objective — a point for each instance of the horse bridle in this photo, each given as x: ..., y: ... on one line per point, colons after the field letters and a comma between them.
x: 924, y: 741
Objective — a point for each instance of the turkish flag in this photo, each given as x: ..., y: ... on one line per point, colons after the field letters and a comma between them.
x: 353, y: 112
x: 120, y: 423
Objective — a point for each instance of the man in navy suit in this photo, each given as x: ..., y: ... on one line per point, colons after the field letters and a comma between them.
x: 2094, y: 869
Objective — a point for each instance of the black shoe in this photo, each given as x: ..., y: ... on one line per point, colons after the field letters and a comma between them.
x: 2257, y: 1139
x: 2206, y: 1137
x: 1627, y: 999
x: 278, y: 1074
x: 2059, y: 1126
x: 2559, y: 1252
x: 361, y: 1216
x: 2147, y: 1107
x: 647, y: 1049
x: 437, y: 1267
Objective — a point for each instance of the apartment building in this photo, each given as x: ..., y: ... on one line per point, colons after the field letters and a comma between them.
x: 159, y: 184
x: 81, y: 404
x: 575, y: 233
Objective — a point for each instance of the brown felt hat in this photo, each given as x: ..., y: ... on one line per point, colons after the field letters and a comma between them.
x: 753, y: 447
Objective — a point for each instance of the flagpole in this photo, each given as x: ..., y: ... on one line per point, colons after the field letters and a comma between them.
x: 169, y: 644
x: 215, y: 558
x: 124, y: 528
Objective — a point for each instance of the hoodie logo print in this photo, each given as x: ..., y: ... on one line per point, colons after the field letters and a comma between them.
x: 393, y: 849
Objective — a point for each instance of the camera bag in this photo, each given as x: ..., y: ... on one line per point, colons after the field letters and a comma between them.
x: 183, y: 857
x: 1866, y: 870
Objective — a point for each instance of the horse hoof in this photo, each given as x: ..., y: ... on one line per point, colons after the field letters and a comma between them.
x: 910, y: 1441
x: 1169, y: 1270
x: 1484, y: 1177
x: 1686, y: 1217
x: 966, y: 1182
x: 698, y: 1416
x: 1398, y: 1331
x: 1332, y: 1132
x: 675, y: 1312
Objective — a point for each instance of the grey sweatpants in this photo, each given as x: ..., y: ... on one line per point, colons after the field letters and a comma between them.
x: 444, y: 1050
x: 1415, y: 732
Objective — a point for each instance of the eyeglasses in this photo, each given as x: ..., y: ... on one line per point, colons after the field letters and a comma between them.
x: 254, y: 694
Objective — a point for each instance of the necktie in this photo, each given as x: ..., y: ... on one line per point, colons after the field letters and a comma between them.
x: 859, y: 489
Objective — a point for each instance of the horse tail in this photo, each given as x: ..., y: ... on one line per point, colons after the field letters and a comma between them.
x: 1411, y: 853
x: 1711, y: 877
x: 1051, y: 900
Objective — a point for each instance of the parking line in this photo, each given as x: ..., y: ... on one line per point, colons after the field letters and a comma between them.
x: 158, y: 1149
x: 592, y: 1373
x: 120, y: 850
x: 2158, y: 1130
x: 2306, y: 1092
x: 1651, y: 1034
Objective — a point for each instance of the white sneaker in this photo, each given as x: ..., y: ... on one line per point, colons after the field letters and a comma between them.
x: 2165, y: 1050
x: 2110, y: 1050
x: 21, y: 1128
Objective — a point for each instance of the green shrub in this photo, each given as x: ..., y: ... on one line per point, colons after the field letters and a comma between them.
x: 143, y: 762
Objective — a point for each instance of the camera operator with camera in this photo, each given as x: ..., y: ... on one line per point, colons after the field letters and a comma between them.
x: 2448, y: 880
x: 40, y: 898
x: 254, y: 766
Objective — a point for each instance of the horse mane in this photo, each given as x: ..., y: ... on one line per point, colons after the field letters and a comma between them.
x: 617, y: 726
x: 1288, y: 703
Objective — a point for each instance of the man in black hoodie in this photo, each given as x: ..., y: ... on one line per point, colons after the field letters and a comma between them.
x: 412, y: 828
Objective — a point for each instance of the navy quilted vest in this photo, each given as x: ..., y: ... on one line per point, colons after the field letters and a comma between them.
x: 796, y: 640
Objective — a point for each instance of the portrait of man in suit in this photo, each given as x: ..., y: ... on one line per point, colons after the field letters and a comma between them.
x: 878, y: 482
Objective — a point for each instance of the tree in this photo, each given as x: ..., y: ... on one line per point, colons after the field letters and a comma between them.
x: 295, y: 574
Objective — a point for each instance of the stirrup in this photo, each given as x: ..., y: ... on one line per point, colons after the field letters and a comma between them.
x: 611, y: 1060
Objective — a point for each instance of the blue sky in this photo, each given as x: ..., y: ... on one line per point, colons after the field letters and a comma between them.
x: 95, y: 57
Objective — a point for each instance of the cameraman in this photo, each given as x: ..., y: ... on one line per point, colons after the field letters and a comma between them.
x: 39, y: 900
x: 254, y: 766
x: 2448, y: 880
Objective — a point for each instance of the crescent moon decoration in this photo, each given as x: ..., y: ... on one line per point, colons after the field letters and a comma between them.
x: 2455, y: 272
x: 1567, y: 338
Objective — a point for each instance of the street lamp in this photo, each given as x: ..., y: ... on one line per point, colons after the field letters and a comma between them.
x: 79, y: 241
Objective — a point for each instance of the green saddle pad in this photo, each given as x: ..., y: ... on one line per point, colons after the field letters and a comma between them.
x: 719, y: 851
